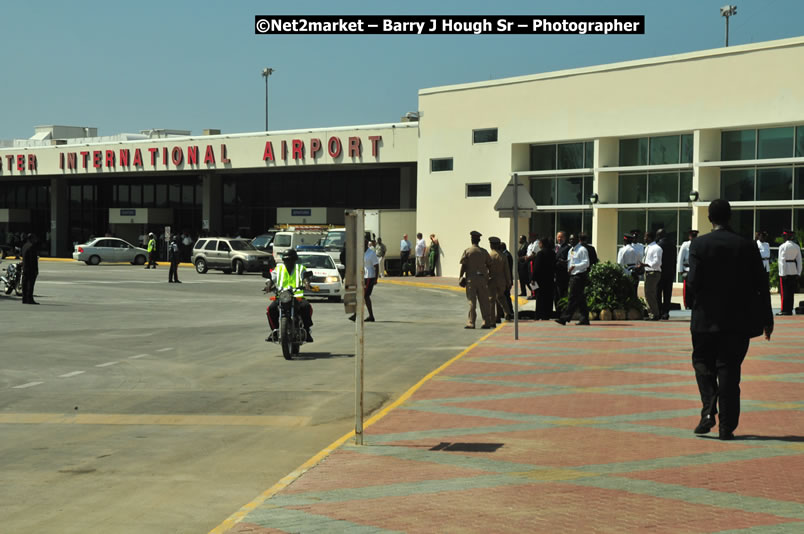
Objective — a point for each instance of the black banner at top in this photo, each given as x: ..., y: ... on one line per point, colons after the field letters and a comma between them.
x: 449, y: 25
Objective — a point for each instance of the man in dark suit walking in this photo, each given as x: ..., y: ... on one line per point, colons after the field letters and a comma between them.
x: 730, y: 304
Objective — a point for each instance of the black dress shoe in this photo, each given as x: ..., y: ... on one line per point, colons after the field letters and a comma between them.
x: 178, y: 281
x: 705, y: 425
x: 562, y: 322
x: 725, y: 435
x: 469, y: 327
x: 583, y: 322
x: 784, y: 313
x: 487, y: 326
x: 369, y: 319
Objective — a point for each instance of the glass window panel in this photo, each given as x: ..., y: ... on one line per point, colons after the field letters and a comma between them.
x: 663, y: 187
x: 774, y: 221
x: 136, y: 195
x: 630, y: 220
x: 589, y: 154
x: 686, y: 148
x: 198, y: 193
x: 798, y: 187
x: 633, y: 189
x: 440, y: 164
x: 478, y: 190
x: 570, y: 156
x: 775, y: 143
x: 161, y: 196
x: 634, y: 151
x: 569, y: 191
x: 664, y: 150
x: 775, y: 184
x: 667, y: 219
x: 737, y: 184
x: 543, y: 191
x: 542, y: 157
x: 799, y: 141
x: 187, y: 193
x: 738, y: 144
x: 570, y: 221
x: 148, y: 195
x: 587, y: 188
x: 587, y: 223
x: 684, y: 225
x: 543, y: 224
x: 20, y: 195
x: 174, y: 193
x: 75, y: 194
x: 88, y: 191
x: 684, y: 186
x: 798, y: 219
x: 488, y: 135
x: 43, y: 192
x: 742, y: 222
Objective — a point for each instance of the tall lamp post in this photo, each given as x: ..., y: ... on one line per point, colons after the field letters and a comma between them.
x: 727, y: 11
x: 265, y: 73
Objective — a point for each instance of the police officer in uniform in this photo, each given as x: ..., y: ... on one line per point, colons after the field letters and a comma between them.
x: 683, y: 264
x: 474, y: 276
x: 30, y: 269
x: 151, y: 251
x: 500, y: 280
x: 764, y: 249
x: 789, y: 271
x: 174, y: 258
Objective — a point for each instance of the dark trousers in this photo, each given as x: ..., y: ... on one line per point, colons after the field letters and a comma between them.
x: 302, y: 306
x: 652, y: 279
x: 577, y: 300
x: 151, y: 260
x: 561, y: 288
x: 664, y: 293
x: 404, y: 257
x: 28, y: 281
x: 173, y: 273
x: 716, y: 358
x: 544, y: 301
x: 524, y: 279
x: 787, y: 287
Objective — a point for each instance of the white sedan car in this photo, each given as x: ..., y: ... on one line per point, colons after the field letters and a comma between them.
x: 109, y: 249
x: 325, y: 276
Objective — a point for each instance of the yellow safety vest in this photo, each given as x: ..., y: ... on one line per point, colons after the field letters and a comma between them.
x: 285, y: 279
x: 151, y: 245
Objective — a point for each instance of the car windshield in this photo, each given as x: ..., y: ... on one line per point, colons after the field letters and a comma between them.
x: 262, y: 240
x: 316, y: 262
x: 334, y: 239
x: 241, y: 245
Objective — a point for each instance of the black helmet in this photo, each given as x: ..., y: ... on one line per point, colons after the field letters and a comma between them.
x: 289, y: 254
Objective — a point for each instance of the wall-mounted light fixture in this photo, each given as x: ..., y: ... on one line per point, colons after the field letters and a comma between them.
x: 594, y: 198
x: 693, y: 196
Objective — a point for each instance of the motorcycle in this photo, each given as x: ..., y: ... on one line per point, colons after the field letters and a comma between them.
x: 12, y: 278
x: 291, y: 334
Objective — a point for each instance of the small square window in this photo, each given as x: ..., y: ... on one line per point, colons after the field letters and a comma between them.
x: 478, y: 190
x: 440, y: 164
x: 487, y: 135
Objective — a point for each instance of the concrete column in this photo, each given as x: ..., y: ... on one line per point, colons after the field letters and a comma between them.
x: 212, y: 203
x: 705, y: 180
x: 604, y: 230
x: 407, y: 188
x: 60, y: 245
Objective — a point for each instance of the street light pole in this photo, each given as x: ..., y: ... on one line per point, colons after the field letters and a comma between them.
x: 728, y: 11
x: 265, y: 73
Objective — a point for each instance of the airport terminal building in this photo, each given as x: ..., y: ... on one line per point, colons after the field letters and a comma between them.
x: 604, y: 149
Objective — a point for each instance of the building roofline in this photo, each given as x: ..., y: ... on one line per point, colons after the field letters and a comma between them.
x: 659, y: 60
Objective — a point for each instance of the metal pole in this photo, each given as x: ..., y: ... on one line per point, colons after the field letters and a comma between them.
x: 359, y: 345
x: 515, y: 291
x: 266, y: 103
x: 727, y: 31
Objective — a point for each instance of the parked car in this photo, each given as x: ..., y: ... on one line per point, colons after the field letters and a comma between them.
x: 264, y: 242
x: 325, y: 275
x: 110, y: 249
x: 229, y: 254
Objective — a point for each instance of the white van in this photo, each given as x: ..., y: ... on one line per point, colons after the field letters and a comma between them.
x: 285, y: 240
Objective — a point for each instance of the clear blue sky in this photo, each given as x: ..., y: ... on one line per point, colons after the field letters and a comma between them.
x: 182, y: 64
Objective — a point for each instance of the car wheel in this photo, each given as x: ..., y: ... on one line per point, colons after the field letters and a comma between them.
x: 334, y: 299
x: 201, y: 266
x: 93, y: 260
x: 239, y: 268
x: 139, y: 260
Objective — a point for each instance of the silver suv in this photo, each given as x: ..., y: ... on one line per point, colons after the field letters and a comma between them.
x: 229, y: 254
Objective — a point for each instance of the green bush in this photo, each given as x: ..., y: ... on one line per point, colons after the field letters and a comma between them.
x: 611, y: 288
x: 774, y: 274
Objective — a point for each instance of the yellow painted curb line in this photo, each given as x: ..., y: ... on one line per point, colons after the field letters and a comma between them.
x: 420, y: 284
x: 299, y: 471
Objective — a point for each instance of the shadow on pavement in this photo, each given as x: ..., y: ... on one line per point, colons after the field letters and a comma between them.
x: 320, y: 356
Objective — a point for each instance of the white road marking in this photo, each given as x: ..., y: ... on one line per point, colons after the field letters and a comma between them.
x: 28, y: 385
x: 68, y: 375
x: 107, y: 364
x: 164, y: 349
x: 137, y: 356
x: 440, y: 291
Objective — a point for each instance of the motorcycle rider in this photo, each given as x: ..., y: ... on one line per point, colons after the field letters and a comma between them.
x: 291, y: 273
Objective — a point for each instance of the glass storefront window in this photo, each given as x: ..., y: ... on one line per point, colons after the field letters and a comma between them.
x: 798, y: 186
x: 187, y: 195
x: 737, y: 184
x: 633, y: 189
x: 136, y: 195
x: 543, y: 224
x: 569, y: 191
x: 798, y: 219
x: 773, y: 221
x: 148, y: 194
x: 587, y: 188
x: 634, y: 151
x: 686, y: 148
x: 742, y: 222
x: 775, y: 184
x: 570, y: 156
x: 543, y: 191
x: 800, y: 141
x: 735, y: 145
x: 589, y: 154
x: 587, y: 223
x: 667, y: 219
x: 684, y: 224
x: 628, y: 221
x: 542, y: 157
x: 684, y: 186
x: 161, y: 196
x: 174, y: 194
x: 663, y: 187
x: 569, y: 221
x: 664, y: 150
x: 775, y: 143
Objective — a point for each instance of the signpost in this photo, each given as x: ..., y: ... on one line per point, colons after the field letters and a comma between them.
x: 514, y: 201
x: 353, y: 302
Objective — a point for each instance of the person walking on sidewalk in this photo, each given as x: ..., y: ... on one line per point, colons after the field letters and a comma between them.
x: 404, y: 255
x: 789, y: 271
x: 151, y: 251
x: 730, y: 305
x: 474, y: 276
x: 653, y: 275
x: 578, y: 270
x: 174, y: 257
x: 381, y: 250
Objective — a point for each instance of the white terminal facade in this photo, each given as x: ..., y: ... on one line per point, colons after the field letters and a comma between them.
x: 640, y: 135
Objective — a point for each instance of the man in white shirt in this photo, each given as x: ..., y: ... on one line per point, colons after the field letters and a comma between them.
x: 639, y: 247
x: 578, y: 269
x: 789, y: 271
x: 421, y: 247
x: 370, y: 271
x: 764, y: 249
x: 629, y: 260
x: 683, y: 263
x: 653, y: 274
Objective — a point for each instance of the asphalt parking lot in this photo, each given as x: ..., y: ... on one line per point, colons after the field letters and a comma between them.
x: 128, y: 404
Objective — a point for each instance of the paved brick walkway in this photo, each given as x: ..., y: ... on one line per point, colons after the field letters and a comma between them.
x: 556, y: 433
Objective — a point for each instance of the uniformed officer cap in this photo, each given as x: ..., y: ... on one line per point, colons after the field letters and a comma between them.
x: 627, y: 236
x: 475, y: 233
x: 693, y: 233
x: 494, y: 240
x: 787, y: 232
x: 150, y: 234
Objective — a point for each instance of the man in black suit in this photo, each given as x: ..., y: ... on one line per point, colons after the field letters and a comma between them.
x: 665, y: 289
x: 561, y: 274
x: 730, y: 304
